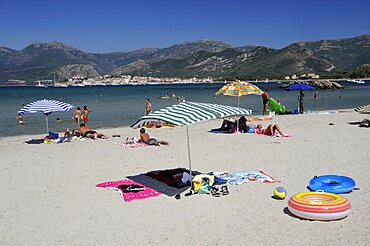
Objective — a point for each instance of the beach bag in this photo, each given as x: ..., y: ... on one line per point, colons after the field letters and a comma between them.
x: 53, y: 135
x: 202, y: 183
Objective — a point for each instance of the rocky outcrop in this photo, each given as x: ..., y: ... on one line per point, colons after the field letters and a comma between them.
x: 325, y: 84
x: 77, y: 70
x: 318, y: 84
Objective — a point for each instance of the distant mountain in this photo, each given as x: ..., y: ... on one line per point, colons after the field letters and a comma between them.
x: 42, y: 60
x: 199, y: 58
x: 322, y: 57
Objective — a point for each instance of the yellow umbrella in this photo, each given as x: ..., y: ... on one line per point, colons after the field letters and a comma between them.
x: 238, y: 89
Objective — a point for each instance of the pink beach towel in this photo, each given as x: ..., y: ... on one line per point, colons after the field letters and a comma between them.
x: 130, y: 196
x: 278, y: 135
x: 131, y: 144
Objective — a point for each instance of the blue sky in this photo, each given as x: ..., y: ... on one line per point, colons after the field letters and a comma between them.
x: 119, y: 25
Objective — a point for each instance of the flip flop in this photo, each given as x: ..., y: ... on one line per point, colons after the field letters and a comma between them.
x: 214, y: 192
x: 224, y: 191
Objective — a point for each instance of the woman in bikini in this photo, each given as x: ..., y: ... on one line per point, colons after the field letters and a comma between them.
x: 269, y: 131
x: 77, y: 115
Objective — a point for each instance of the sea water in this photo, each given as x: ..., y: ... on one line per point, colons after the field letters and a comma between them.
x: 115, y: 106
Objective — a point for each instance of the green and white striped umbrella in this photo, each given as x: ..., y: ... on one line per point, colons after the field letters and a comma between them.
x: 187, y: 113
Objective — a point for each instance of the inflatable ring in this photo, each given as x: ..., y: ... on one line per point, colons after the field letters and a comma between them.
x: 319, y: 206
x: 332, y: 183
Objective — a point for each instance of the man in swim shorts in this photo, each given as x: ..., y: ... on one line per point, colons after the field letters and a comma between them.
x: 87, y: 132
x: 144, y: 137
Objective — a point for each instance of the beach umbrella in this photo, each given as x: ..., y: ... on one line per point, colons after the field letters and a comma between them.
x: 238, y: 89
x: 298, y: 87
x: 364, y: 109
x: 186, y: 113
x: 46, y: 107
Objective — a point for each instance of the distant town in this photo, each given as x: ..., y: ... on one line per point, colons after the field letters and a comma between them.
x: 105, y: 80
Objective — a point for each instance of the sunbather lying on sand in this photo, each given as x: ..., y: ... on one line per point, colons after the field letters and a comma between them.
x: 69, y: 134
x: 144, y: 137
x: 270, y: 130
x: 87, y: 132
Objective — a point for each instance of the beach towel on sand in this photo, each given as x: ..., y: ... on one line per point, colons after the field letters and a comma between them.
x: 131, y: 144
x: 130, y: 190
x: 278, y: 135
x: 243, y: 177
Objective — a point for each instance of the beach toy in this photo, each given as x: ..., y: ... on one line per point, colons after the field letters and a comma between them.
x: 332, y: 183
x: 319, y: 206
x: 279, y: 193
x: 275, y: 106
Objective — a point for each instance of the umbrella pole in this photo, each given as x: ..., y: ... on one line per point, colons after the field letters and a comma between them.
x: 237, y: 119
x: 189, y: 157
x: 47, y: 124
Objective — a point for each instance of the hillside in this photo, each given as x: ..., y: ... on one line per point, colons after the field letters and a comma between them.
x: 199, y: 58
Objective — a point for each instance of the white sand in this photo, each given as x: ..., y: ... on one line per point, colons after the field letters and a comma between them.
x: 48, y: 194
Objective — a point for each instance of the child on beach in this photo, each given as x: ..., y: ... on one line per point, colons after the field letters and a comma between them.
x: 86, y: 114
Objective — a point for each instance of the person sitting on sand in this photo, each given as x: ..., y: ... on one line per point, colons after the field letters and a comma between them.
x: 144, y: 137
x: 87, y: 132
x: 243, y: 124
x: 270, y: 130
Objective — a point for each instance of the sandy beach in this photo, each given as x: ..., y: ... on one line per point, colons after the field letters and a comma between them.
x: 48, y: 193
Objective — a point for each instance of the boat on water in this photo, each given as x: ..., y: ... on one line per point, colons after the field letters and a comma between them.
x: 78, y: 85
x: 358, y: 81
x: 60, y: 85
x: 41, y: 85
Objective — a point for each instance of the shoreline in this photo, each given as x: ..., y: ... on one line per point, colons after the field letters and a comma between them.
x: 345, y: 110
x: 184, y: 82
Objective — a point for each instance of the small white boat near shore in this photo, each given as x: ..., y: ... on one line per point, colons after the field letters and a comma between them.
x: 358, y: 81
x: 60, y: 85
x: 41, y: 85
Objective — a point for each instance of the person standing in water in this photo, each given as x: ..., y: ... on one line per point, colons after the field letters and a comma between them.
x: 77, y: 115
x: 148, y: 107
x: 20, y: 119
x: 86, y: 114
x: 315, y: 95
x: 265, y: 100
x: 301, y: 99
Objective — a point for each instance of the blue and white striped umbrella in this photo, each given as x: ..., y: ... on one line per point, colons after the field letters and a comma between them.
x: 186, y: 113
x: 46, y: 107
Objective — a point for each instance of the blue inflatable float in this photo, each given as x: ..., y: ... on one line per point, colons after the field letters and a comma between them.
x: 332, y: 183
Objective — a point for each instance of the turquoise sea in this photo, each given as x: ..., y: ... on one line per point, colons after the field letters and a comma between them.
x: 115, y: 106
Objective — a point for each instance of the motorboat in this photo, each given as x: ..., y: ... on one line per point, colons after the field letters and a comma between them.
x: 60, y: 85
x: 358, y: 81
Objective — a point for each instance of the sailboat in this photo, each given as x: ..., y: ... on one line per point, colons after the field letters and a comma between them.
x: 59, y: 84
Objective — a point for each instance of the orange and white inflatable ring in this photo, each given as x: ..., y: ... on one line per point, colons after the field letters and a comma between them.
x: 319, y: 206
